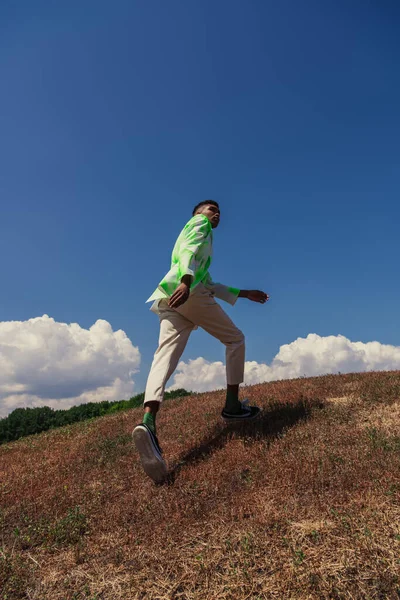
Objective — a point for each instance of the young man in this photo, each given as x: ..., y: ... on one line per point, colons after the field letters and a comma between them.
x: 184, y: 301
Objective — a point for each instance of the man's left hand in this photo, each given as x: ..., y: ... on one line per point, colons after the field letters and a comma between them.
x: 258, y: 296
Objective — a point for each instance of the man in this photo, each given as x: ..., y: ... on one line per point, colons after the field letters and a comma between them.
x: 184, y: 301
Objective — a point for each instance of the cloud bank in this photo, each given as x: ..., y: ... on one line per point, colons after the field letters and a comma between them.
x: 313, y: 355
x: 46, y: 363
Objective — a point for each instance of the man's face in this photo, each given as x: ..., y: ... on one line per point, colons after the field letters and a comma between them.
x: 211, y: 212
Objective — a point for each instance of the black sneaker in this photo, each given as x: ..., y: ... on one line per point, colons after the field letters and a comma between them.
x: 150, y: 453
x: 246, y: 413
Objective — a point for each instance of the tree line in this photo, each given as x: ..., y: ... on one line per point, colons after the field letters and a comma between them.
x: 27, y: 421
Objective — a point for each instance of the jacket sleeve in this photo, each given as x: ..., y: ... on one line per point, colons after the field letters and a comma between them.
x: 223, y: 292
x: 195, y: 236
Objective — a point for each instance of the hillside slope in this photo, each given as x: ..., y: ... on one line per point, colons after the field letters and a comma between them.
x: 302, y: 503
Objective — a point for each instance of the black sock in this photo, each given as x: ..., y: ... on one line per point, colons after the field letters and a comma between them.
x: 232, y: 403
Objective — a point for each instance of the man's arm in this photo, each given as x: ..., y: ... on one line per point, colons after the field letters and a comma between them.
x: 221, y: 291
x: 230, y: 294
x: 195, y: 236
x: 196, y: 233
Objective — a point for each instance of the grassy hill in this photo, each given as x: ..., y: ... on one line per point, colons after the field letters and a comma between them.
x: 303, y: 503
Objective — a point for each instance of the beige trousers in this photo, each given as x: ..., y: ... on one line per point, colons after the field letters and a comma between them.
x: 176, y: 325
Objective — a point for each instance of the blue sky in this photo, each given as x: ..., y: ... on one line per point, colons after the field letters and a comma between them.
x: 116, y: 118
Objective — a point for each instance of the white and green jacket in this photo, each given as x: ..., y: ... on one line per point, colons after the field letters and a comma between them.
x: 192, y: 255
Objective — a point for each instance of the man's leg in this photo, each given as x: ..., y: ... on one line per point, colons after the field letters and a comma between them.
x: 175, y: 330
x: 174, y: 334
x: 205, y: 312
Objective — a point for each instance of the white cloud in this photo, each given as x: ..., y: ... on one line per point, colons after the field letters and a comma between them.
x: 313, y: 355
x: 46, y: 363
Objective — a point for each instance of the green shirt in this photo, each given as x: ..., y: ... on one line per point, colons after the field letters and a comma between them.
x: 192, y: 255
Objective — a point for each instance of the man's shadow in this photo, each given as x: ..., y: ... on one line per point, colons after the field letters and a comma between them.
x: 269, y: 425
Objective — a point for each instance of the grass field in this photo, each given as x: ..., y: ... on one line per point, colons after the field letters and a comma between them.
x: 302, y: 503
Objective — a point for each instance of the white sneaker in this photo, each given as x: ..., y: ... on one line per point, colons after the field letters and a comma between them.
x: 150, y: 453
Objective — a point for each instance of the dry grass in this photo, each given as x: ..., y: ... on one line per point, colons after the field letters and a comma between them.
x: 303, y: 503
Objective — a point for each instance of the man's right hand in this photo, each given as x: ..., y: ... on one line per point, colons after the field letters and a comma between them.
x: 180, y: 295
